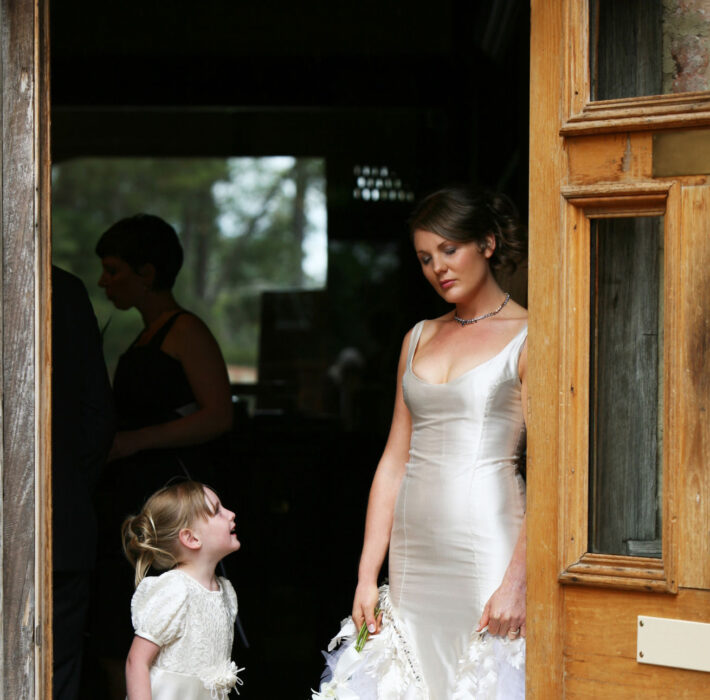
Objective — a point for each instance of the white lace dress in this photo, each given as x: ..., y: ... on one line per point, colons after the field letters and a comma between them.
x: 194, y: 628
x: 457, y: 518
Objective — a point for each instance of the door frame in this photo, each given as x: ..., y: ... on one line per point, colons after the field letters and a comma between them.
x: 25, y: 359
x: 559, y: 107
x: 546, y: 164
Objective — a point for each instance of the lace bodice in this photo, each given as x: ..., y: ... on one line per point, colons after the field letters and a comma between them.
x: 193, y: 626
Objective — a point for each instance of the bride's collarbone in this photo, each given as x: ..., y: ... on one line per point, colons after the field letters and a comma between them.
x: 444, y: 356
x: 441, y: 370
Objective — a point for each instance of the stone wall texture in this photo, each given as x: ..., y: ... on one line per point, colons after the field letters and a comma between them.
x: 686, y: 45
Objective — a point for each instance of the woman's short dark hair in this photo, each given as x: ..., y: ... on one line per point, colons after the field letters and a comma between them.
x: 464, y: 213
x: 143, y: 239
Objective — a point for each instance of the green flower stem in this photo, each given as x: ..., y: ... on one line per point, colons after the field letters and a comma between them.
x: 364, y: 633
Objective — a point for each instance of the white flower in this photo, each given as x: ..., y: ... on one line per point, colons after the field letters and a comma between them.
x: 219, y: 680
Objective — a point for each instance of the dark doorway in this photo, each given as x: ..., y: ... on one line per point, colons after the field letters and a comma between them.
x: 397, y: 98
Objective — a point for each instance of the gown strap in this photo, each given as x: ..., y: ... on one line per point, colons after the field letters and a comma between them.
x: 516, y: 345
x: 159, y: 336
x: 413, y: 342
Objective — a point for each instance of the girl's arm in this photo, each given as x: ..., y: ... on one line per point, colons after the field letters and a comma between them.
x: 140, y: 658
x: 380, y: 506
x: 192, y: 344
x: 505, y: 610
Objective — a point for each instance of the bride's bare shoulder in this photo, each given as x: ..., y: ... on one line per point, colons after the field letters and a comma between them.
x: 436, y: 323
x: 432, y: 326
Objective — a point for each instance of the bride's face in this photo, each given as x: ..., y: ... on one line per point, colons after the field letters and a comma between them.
x: 455, y: 269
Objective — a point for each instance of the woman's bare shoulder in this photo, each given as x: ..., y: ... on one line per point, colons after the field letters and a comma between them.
x: 427, y: 326
x: 189, y: 324
x: 189, y: 334
x: 431, y: 326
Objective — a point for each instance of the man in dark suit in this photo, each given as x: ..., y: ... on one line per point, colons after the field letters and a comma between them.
x: 82, y: 432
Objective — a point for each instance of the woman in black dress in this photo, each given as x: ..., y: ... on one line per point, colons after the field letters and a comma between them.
x: 171, y: 385
x: 172, y: 399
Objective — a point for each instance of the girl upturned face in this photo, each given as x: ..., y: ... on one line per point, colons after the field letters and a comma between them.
x: 123, y: 285
x: 218, y: 532
x: 456, y: 269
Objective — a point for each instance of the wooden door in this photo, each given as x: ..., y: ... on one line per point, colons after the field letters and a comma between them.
x: 619, y: 347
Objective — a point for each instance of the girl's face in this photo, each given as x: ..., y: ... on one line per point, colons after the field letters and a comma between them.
x: 218, y: 533
x: 124, y: 286
x: 456, y: 270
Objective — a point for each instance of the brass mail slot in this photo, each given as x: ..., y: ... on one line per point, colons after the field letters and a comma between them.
x: 681, y: 153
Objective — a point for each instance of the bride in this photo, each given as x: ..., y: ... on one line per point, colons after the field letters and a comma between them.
x: 447, y: 499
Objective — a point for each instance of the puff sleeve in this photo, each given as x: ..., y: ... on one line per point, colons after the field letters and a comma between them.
x: 230, y: 598
x: 159, y: 608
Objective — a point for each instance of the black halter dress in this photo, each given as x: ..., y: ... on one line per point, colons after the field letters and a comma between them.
x: 150, y: 387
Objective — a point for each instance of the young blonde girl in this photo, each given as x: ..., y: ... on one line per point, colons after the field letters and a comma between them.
x: 184, y: 618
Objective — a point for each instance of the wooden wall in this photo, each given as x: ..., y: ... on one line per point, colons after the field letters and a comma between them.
x: 24, y: 384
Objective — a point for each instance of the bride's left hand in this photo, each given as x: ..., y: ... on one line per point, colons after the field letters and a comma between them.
x: 504, y: 613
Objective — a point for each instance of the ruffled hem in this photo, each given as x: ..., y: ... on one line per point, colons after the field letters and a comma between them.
x: 493, y: 668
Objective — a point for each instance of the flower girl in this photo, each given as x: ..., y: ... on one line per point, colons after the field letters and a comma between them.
x: 184, y: 618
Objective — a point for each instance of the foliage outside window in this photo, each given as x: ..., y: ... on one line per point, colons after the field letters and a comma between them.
x: 246, y: 225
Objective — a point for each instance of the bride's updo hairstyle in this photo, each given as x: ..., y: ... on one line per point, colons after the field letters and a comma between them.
x: 150, y: 538
x: 464, y: 214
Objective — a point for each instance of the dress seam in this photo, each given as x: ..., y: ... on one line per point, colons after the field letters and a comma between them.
x: 406, y: 542
x: 472, y: 478
x: 413, y: 342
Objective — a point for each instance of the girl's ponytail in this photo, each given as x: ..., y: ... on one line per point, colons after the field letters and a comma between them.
x: 141, y: 545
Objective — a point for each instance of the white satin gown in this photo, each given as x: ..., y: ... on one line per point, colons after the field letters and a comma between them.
x: 458, y: 514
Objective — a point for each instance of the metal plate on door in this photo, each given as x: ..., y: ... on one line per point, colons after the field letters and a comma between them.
x: 676, y: 643
x: 677, y: 153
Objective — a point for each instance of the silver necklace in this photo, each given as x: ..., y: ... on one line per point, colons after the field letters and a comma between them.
x: 468, y: 321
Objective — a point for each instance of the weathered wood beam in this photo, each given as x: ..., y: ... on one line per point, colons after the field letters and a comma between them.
x: 24, y: 314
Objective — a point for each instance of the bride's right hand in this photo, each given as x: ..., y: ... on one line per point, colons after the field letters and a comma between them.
x: 366, y: 598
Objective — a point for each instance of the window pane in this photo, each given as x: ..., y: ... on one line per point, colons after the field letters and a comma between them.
x: 247, y: 226
x: 626, y: 386
x: 648, y: 47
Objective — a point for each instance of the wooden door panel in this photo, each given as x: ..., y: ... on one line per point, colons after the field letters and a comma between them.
x: 600, y: 644
x: 694, y: 425
x: 621, y: 681
x: 593, y: 160
x: 612, y: 158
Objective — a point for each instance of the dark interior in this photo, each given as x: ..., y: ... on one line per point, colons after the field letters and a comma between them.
x: 435, y: 91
